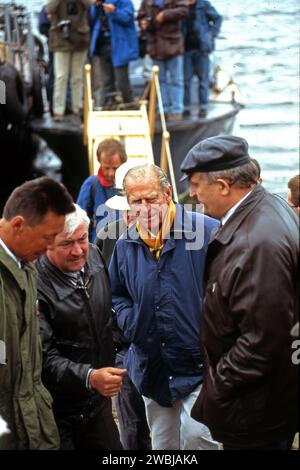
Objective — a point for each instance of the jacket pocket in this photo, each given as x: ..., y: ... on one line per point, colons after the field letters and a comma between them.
x: 49, y: 433
x: 220, y: 415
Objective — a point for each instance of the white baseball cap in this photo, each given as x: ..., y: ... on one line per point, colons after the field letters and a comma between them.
x: 120, y: 202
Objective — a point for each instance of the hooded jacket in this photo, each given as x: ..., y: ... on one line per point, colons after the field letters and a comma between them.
x: 124, y: 42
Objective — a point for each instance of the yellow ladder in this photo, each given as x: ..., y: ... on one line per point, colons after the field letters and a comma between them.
x: 134, y: 128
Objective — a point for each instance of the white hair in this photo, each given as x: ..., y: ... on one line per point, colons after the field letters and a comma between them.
x: 74, y: 219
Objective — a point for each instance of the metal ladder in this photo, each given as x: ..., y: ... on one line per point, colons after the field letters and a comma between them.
x: 134, y: 128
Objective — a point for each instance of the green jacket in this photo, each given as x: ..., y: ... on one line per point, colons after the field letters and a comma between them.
x: 79, y: 30
x: 25, y: 404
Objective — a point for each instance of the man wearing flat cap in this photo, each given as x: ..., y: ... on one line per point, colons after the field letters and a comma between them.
x: 249, y: 396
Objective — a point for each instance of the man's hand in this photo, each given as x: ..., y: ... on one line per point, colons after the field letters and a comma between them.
x: 160, y: 17
x: 108, y: 7
x: 107, y: 381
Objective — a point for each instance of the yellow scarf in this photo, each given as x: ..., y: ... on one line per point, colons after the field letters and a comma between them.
x: 156, y: 244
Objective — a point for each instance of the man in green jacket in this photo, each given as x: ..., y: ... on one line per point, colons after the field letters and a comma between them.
x: 69, y: 38
x: 33, y: 215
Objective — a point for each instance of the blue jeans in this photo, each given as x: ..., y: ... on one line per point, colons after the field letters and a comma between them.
x: 171, y: 83
x: 196, y: 63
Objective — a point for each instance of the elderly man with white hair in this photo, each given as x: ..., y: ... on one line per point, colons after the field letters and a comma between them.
x: 156, y: 274
x: 74, y: 302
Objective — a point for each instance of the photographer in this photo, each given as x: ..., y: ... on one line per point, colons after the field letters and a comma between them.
x: 161, y: 19
x: 114, y: 42
x: 69, y: 38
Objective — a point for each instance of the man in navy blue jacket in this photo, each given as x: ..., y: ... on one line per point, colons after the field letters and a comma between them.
x: 156, y: 274
x: 96, y: 189
x: 200, y: 30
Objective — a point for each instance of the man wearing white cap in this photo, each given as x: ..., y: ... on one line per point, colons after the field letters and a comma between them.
x: 108, y: 235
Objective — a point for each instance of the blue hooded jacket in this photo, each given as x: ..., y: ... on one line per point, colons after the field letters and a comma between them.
x: 158, y: 306
x: 124, y: 41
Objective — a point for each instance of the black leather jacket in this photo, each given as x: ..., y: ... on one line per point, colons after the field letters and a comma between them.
x: 250, y: 384
x: 75, y: 325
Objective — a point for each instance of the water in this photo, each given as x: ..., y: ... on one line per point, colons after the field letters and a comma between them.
x: 259, y: 46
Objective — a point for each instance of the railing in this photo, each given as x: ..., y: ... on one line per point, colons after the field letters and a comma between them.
x: 165, y: 154
x: 88, y: 101
x: 154, y: 100
x: 4, y: 53
x: 17, y: 45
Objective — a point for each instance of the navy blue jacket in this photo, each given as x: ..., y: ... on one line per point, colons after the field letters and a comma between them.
x: 207, y: 24
x: 92, y: 200
x: 158, y: 306
x: 124, y: 41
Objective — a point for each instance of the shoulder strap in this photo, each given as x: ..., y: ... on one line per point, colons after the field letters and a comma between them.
x: 93, y: 189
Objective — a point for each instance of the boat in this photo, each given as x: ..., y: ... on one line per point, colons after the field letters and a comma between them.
x: 66, y: 139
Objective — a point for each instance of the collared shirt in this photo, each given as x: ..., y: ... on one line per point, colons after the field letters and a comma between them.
x: 233, y: 209
x: 10, y: 253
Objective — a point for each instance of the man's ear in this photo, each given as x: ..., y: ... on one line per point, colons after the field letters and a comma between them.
x: 51, y: 246
x: 223, y: 186
x: 17, y: 223
x: 169, y: 194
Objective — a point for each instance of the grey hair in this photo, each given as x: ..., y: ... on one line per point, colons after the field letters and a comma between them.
x: 243, y: 176
x: 143, y: 173
x: 74, y: 219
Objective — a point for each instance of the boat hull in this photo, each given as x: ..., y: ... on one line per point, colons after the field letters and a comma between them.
x: 186, y: 133
x: 66, y: 140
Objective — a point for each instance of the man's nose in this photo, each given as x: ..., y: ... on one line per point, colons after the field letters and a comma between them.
x: 192, y: 192
x: 111, y: 174
x: 76, y: 249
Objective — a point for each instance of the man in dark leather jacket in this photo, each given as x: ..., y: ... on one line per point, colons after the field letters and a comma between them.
x: 74, y: 301
x: 249, y: 397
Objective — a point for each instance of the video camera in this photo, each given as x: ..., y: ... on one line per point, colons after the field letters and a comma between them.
x: 151, y: 24
x: 64, y: 25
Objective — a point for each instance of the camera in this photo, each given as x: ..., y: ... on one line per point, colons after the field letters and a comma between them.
x: 64, y: 25
x: 151, y: 24
x: 72, y: 8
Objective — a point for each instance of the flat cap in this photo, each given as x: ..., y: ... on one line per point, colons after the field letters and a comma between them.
x: 220, y: 152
